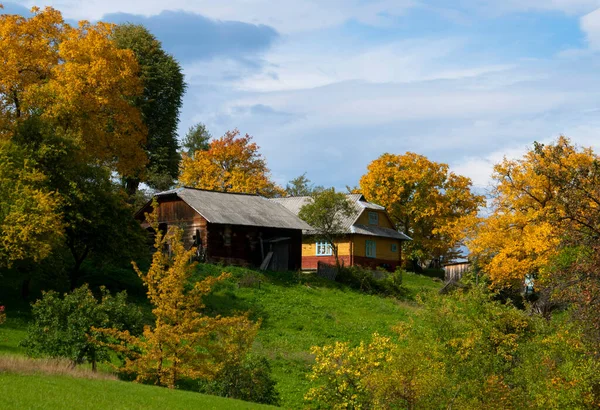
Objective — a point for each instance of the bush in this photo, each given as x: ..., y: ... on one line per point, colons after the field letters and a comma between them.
x: 465, y: 351
x: 61, y: 327
x: 375, y: 282
x: 249, y: 380
x: 2, y: 315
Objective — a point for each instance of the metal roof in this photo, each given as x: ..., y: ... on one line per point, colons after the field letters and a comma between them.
x: 359, y: 204
x: 379, y: 231
x: 237, y: 209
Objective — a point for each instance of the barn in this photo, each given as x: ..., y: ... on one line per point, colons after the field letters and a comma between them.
x: 232, y: 228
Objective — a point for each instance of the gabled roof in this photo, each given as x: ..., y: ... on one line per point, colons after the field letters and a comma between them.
x: 359, y: 204
x: 237, y: 209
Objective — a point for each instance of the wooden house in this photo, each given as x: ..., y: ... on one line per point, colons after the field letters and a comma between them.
x: 369, y: 240
x: 232, y: 228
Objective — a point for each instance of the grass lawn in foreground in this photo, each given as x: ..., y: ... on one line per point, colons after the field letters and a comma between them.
x: 63, y: 392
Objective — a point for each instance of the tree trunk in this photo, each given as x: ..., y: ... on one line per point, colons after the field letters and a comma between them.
x: 25, y: 287
x: 74, y: 275
x: 334, y: 248
x: 131, y: 186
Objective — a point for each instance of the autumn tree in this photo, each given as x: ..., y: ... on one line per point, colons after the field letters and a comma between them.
x: 184, y: 342
x: 325, y: 213
x: 546, y: 199
x: 30, y: 217
x: 424, y: 199
x: 67, y: 106
x: 160, y: 103
x: 196, y: 139
x: 77, y: 80
x: 231, y: 164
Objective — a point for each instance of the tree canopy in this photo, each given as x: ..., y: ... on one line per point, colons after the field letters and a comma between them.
x: 231, y: 164
x: 77, y: 80
x: 325, y: 214
x: 424, y: 199
x: 301, y: 186
x: 196, y: 139
x: 160, y: 103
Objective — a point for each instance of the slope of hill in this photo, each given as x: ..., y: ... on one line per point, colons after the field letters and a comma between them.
x: 297, y: 311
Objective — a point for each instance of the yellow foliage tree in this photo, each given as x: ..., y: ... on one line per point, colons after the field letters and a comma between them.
x: 30, y: 221
x: 231, y: 164
x: 424, y: 199
x: 184, y: 342
x: 77, y: 80
x: 539, y: 201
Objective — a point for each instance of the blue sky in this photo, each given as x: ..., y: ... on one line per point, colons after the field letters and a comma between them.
x: 326, y: 86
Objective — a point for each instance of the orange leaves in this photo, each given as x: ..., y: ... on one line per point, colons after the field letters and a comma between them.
x: 76, y: 79
x: 231, y: 164
x: 539, y: 201
x: 424, y: 199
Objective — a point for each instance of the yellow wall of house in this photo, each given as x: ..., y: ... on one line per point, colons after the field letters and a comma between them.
x: 384, y: 221
x: 383, y: 247
x: 309, y: 247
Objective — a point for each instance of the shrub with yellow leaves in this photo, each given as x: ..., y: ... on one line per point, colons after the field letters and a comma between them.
x: 184, y: 342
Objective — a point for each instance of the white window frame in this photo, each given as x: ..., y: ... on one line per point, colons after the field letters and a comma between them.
x: 323, y: 249
x: 373, y: 218
x: 370, y: 248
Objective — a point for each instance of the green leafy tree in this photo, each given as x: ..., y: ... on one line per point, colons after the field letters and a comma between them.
x: 97, y: 219
x: 164, y: 86
x: 196, y: 139
x: 325, y: 214
x: 301, y: 186
x: 62, y: 326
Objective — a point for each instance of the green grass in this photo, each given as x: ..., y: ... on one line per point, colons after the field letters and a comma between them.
x: 297, y: 311
x: 60, y: 392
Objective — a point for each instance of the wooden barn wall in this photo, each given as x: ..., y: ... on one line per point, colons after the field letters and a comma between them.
x: 241, y: 245
x: 173, y: 211
x: 229, y: 244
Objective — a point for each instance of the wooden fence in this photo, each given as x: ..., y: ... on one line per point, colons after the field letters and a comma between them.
x: 454, y: 272
x: 326, y: 270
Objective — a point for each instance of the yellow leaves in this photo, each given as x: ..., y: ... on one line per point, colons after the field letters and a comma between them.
x: 231, y: 164
x: 184, y: 343
x: 77, y: 80
x: 30, y: 222
x: 536, y: 205
x: 424, y: 199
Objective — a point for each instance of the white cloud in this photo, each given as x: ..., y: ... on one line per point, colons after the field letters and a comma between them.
x: 590, y: 25
x: 286, y: 16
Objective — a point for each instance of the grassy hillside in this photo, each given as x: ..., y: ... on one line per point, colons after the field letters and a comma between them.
x: 297, y: 311
x: 59, y: 392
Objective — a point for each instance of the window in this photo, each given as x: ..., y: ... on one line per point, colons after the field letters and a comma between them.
x: 373, y: 218
x: 394, y: 247
x: 370, y: 250
x: 324, y: 249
